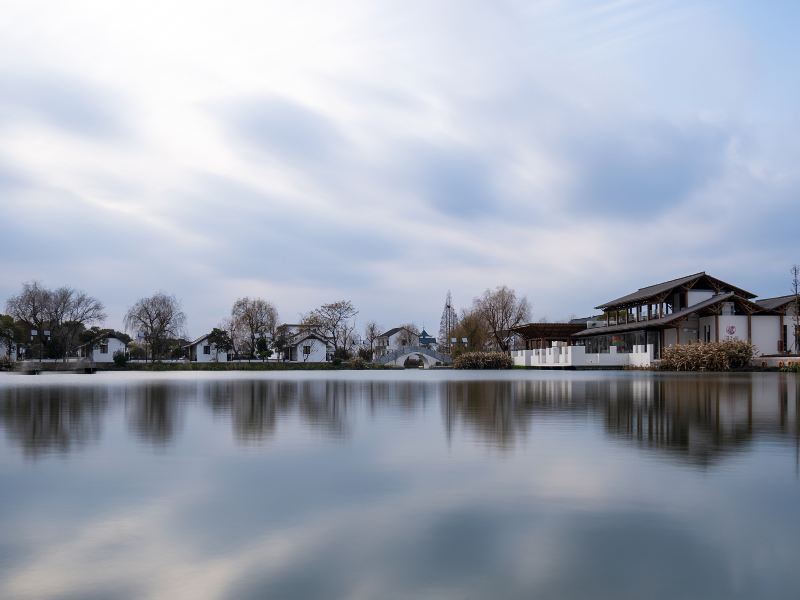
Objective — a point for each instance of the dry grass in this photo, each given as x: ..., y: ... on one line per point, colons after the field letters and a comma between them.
x: 711, y: 356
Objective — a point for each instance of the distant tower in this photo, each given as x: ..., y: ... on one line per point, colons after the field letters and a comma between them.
x: 447, y: 324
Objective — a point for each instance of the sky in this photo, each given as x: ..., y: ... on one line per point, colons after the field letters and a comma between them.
x: 387, y: 151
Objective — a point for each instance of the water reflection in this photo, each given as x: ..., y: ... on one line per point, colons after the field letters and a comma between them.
x: 155, y: 412
x: 45, y: 420
x: 370, y: 487
x: 698, y: 419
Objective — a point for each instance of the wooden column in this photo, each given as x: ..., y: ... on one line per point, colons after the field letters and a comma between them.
x: 716, y: 327
x: 750, y: 327
x: 677, y: 333
x: 780, y: 333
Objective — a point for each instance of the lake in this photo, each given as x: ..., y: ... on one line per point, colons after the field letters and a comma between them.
x: 400, y: 484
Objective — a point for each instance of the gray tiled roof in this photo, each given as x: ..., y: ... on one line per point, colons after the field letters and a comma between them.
x: 777, y: 302
x: 651, y: 323
x: 660, y: 288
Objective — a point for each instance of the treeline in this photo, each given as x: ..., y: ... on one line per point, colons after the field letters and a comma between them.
x: 51, y: 323
x: 55, y: 323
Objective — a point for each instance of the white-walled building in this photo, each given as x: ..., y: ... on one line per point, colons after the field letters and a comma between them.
x: 395, y: 339
x: 301, y: 344
x: 637, y: 327
x: 307, y: 346
x: 102, y: 348
x: 787, y: 307
x: 203, y: 351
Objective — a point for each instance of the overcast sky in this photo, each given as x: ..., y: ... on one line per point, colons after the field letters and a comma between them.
x: 388, y: 151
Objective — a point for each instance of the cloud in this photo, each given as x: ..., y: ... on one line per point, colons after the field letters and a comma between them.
x: 390, y: 154
x: 455, y: 182
x: 63, y: 102
x: 284, y: 129
x: 638, y: 170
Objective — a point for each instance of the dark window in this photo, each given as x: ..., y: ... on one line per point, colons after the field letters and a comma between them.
x: 206, y: 349
x: 306, y: 350
x: 104, y: 348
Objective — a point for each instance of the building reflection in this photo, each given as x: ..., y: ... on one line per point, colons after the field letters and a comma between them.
x: 45, y: 420
x: 703, y: 419
x: 698, y: 419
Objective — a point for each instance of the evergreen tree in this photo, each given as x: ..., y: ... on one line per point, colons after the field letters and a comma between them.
x: 447, y: 324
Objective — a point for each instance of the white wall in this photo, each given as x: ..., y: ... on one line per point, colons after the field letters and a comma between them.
x: 766, y: 333
x: 695, y: 296
x: 114, y: 345
x: 732, y: 327
x: 214, y: 355
x: 711, y: 322
x: 576, y: 356
x: 319, y: 351
x: 395, y: 339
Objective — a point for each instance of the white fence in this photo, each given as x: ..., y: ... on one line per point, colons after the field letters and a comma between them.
x: 575, y: 356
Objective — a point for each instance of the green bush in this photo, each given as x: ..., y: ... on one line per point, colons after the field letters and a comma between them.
x: 356, y: 363
x: 483, y: 360
x: 708, y: 356
x: 120, y: 358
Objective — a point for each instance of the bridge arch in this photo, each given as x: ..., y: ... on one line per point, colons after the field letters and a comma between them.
x: 429, y: 357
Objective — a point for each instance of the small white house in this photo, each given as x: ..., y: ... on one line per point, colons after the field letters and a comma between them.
x: 308, y: 347
x: 395, y: 339
x: 102, y: 349
x: 203, y: 351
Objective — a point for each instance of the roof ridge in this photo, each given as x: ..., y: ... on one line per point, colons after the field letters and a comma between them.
x: 701, y: 273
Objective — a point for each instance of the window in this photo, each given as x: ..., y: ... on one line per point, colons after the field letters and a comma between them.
x: 306, y: 350
x: 103, y: 347
x: 206, y: 349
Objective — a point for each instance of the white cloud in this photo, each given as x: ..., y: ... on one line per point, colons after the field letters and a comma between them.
x: 387, y: 152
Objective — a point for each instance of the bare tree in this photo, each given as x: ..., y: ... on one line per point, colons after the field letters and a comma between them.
x: 796, y: 291
x: 256, y: 317
x: 158, y: 318
x: 335, y: 321
x: 371, y: 332
x: 502, y: 310
x: 413, y: 333
x: 65, y: 312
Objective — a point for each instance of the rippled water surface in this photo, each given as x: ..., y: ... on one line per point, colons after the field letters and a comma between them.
x: 389, y: 485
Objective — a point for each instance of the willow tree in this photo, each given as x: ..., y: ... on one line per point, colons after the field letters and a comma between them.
x: 502, y: 310
x: 156, y: 319
x: 254, y: 318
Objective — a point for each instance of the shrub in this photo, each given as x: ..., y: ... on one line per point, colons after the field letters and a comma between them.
x: 5, y: 363
x: 708, y: 356
x: 483, y: 360
x: 120, y: 358
x: 356, y: 363
x: 791, y: 368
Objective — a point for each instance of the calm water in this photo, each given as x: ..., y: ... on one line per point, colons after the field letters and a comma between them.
x: 386, y: 485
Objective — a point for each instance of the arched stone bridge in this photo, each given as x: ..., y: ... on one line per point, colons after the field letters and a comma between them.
x: 399, y: 356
